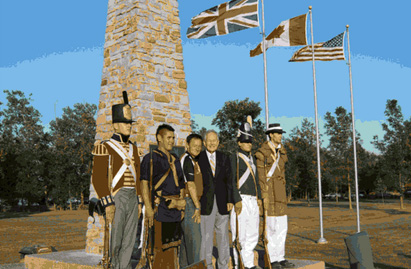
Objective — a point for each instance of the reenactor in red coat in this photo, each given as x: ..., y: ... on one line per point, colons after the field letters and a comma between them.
x: 115, y: 178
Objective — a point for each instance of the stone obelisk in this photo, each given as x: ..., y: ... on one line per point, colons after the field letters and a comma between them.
x: 144, y: 56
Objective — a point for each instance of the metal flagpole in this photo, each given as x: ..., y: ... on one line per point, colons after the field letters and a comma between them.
x: 353, y: 136
x: 265, y: 68
x: 322, y: 240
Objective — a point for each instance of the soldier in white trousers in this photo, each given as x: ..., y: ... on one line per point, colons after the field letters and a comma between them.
x: 246, y: 179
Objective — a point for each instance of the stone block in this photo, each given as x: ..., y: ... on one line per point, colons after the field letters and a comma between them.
x: 161, y: 98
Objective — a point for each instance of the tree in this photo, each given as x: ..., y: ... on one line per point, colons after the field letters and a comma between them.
x: 229, y: 119
x: 339, y: 129
x: 396, y: 148
x: 301, y: 169
x: 73, y: 139
x: 23, y: 145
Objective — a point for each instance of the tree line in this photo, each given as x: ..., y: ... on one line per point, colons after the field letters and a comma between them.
x: 49, y: 166
x: 388, y: 171
x: 39, y: 166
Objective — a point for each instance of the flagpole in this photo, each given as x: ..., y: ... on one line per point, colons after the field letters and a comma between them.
x: 265, y: 68
x: 353, y: 135
x: 322, y: 240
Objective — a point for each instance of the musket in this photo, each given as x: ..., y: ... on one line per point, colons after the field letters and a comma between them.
x: 145, y: 258
x: 236, y: 242
x: 106, y: 261
x: 267, y: 260
x: 237, y: 245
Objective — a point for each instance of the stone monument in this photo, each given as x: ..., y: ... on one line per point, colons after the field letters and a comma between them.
x: 144, y: 56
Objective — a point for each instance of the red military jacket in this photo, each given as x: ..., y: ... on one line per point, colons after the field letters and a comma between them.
x: 116, y: 164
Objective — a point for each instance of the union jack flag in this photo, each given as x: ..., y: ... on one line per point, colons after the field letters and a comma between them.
x: 225, y: 18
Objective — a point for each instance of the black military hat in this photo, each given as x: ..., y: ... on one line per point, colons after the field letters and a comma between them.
x: 122, y: 112
x: 274, y: 128
x: 244, y: 132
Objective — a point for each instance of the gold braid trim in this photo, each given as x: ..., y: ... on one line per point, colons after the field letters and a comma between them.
x: 100, y: 150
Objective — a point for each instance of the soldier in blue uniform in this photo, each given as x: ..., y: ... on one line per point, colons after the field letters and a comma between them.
x: 163, y: 197
x: 246, y: 179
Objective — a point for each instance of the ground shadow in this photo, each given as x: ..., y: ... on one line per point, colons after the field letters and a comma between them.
x: 335, y: 231
x: 386, y: 266
x: 332, y: 266
x: 404, y: 255
x: 21, y: 212
x: 302, y: 237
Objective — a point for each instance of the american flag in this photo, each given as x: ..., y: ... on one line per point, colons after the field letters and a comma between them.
x: 225, y: 18
x: 331, y: 50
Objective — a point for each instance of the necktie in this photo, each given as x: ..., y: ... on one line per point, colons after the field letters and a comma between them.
x: 212, y: 164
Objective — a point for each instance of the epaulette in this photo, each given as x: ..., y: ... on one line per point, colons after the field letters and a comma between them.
x: 100, y: 150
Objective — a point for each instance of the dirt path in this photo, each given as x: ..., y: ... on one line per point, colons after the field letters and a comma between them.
x: 387, y: 226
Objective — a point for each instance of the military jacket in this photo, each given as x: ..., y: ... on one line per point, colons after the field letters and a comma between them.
x: 116, y: 164
x: 272, y: 187
x: 251, y: 184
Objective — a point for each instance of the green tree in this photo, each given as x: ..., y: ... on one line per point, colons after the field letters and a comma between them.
x: 73, y: 139
x: 229, y: 119
x: 301, y: 169
x: 339, y: 129
x: 395, y: 148
x: 23, y: 145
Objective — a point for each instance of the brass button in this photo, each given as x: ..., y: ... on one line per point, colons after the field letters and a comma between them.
x: 127, y: 162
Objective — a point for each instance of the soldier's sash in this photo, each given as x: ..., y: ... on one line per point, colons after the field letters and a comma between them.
x: 247, y: 173
x: 125, y: 156
x: 275, y: 164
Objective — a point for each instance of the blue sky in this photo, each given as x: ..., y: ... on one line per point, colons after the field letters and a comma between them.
x: 54, y: 50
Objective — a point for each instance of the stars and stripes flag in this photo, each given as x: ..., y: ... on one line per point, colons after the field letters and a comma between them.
x: 291, y: 32
x: 331, y: 50
x: 225, y: 18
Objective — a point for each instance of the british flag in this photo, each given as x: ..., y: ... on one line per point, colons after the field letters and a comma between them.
x: 225, y: 18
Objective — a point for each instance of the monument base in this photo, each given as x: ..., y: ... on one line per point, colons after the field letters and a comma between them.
x: 79, y: 259
x: 63, y: 259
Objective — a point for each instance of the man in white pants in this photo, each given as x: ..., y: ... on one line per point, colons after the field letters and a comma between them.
x: 245, y: 178
x: 271, y: 159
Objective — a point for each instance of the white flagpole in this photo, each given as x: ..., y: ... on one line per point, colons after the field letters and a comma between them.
x: 322, y: 240
x: 353, y: 135
x: 265, y: 68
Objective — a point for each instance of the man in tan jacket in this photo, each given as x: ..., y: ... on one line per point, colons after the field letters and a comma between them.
x: 271, y: 159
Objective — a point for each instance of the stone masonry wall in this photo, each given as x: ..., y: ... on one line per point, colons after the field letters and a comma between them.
x: 143, y: 55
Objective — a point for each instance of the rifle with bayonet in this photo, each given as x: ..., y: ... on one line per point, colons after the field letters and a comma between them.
x: 267, y: 260
x: 147, y: 251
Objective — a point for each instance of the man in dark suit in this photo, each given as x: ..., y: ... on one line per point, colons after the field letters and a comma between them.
x: 218, y: 198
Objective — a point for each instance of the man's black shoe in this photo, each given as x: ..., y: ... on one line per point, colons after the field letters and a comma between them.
x: 287, y: 264
x: 254, y: 267
x: 276, y: 265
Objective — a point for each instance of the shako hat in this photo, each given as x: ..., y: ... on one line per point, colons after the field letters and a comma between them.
x: 244, y: 132
x: 274, y: 128
x: 122, y: 112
